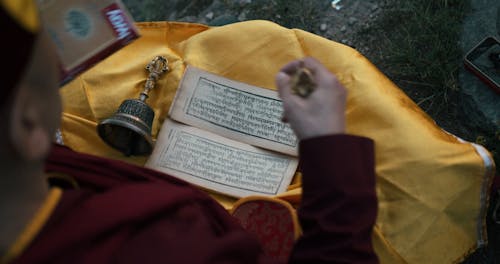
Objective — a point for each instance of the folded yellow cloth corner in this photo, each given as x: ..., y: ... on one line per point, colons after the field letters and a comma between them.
x: 432, y: 187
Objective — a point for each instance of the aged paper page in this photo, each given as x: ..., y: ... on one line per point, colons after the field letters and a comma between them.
x: 234, y: 110
x: 220, y: 164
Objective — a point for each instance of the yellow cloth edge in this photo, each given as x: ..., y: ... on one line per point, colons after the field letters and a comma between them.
x: 61, y: 176
x: 489, y: 174
x: 482, y: 235
x: 34, y: 226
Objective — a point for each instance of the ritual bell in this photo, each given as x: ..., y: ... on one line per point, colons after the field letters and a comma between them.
x: 129, y: 129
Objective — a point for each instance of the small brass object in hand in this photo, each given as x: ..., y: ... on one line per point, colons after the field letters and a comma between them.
x: 302, y: 82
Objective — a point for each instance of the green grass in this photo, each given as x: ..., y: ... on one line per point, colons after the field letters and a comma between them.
x: 416, y: 44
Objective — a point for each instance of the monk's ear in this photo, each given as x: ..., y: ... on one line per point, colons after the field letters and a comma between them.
x: 29, y: 136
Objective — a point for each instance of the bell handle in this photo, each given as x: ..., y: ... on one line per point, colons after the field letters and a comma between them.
x: 156, y: 68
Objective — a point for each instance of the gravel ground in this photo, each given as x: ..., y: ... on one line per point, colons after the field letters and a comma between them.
x: 336, y: 22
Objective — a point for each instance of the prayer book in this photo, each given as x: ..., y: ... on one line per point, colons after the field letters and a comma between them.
x: 85, y: 32
x: 226, y: 136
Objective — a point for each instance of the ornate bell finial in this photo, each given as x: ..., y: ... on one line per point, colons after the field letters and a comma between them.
x: 129, y: 129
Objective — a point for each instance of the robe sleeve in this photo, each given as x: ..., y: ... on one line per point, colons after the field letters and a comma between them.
x: 171, y: 221
x: 339, y: 204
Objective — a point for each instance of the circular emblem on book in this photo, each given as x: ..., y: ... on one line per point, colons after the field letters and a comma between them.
x: 77, y: 23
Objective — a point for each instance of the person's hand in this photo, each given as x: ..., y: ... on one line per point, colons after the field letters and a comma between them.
x: 322, y: 112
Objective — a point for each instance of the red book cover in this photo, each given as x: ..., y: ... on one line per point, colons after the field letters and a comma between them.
x: 86, y: 31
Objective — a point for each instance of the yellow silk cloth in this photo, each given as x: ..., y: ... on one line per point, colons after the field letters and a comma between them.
x: 432, y: 187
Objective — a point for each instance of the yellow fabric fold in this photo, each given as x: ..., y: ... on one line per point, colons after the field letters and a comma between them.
x: 429, y: 183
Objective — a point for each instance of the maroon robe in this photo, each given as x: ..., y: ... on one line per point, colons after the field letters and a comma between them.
x: 128, y: 214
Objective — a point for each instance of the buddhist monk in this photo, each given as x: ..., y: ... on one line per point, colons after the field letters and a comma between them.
x: 113, y: 212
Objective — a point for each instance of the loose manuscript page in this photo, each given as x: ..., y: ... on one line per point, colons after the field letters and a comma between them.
x: 220, y: 164
x: 234, y: 110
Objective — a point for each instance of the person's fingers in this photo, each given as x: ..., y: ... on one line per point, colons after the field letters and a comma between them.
x: 283, y: 83
x: 313, y: 64
x: 285, y: 93
x: 291, y: 67
x: 323, y: 77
